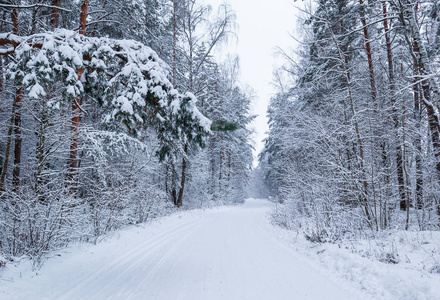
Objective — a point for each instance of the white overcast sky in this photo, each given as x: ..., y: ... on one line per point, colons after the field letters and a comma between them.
x: 262, y: 27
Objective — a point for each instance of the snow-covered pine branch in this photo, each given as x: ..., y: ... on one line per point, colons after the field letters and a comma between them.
x: 127, y: 78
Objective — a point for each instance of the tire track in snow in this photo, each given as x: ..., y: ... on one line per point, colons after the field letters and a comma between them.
x: 150, y: 269
x: 130, y: 259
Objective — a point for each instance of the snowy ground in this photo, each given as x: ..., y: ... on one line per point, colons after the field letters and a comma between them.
x: 397, y: 265
x: 224, y: 253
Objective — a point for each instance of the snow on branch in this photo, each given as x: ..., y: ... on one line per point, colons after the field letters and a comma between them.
x: 36, y: 5
x: 126, y: 77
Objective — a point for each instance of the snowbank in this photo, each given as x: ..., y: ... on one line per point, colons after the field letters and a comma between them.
x: 396, y: 265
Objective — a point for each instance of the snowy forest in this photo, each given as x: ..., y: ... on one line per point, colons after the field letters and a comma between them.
x: 134, y: 163
x: 112, y: 113
x: 354, y: 141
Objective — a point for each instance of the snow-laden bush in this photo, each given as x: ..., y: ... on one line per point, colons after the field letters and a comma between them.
x: 116, y: 182
x: 319, y: 220
x: 33, y: 228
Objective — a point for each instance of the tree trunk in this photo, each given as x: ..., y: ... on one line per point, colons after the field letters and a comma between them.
x: 83, y: 17
x: 213, y: 181
x: 174, y: 42
x: 54, y: 21
x: 40, y: 153
x: 433, y: 122
x: 74, y: 162
x: 34, y: 22
x: 174, y: 195
x: 17, y: 121
x: 395, y: 116
x: 417, y: 139
x: 18, y: 139
x: 222, y: 158
x: 229, y: 168
x: 373, y: 90
x: 183, y: 178
x: 8, y: 150
x: 14, y: 17
x: 1, y: 64
x: 73, y: 167
x: 387, y: 172
x: 369, y: 56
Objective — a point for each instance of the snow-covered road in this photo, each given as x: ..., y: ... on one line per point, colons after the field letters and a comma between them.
x: 227, y: 253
